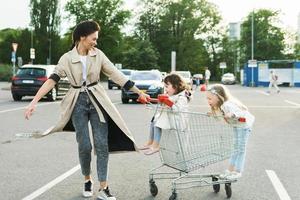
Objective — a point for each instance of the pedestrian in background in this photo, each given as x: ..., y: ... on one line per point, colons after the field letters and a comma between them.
x: 87, y: 101
x: 273, y: 78
x: 207, y: 76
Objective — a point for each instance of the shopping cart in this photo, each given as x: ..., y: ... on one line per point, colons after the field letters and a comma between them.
x: 194, y: 141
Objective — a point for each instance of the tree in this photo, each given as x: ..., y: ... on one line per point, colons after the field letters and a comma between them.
x: 45, y: 21
x: 20, y: 36
x: 268, y: 38
x: 179, y: 26
x: 110, y: 16
x: 139, y: 54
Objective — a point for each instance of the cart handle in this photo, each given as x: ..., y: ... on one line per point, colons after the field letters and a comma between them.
x: 148, y: 100
x: 242, y: 119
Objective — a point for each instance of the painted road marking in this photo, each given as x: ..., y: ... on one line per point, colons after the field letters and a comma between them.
x: 283, y: 195
x: 262, y: 92
x: 48, y: 186
x: 23, y: 108
x: 293, y: 103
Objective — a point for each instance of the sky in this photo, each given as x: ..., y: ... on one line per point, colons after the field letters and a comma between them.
x: 16, y: 14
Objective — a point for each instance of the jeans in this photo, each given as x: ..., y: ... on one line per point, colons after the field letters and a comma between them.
x: 238, y: 157
x: 155, y: 133
x: 84, y: 111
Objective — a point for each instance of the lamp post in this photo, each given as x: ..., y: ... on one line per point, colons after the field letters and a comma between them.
x: 13, y: 57
x: 252, y: 47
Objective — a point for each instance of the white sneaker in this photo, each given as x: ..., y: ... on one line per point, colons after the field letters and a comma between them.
x: 226, y: 173
x: 234, y: 176
x: 87, y: 189
x: 104, y: 194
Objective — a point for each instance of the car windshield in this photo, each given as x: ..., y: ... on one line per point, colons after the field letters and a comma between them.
x: 184, y: 74
x: 228, y: 75
x: 36, y: 72
x: 145, y: 76
x: 126, y: 72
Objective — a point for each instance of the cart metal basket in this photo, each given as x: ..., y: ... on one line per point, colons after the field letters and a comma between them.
x: 194, y: 141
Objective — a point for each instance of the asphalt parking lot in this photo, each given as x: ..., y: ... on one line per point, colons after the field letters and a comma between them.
x: 47, y: 168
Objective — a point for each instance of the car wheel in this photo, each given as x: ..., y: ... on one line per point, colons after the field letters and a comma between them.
x: 110, y: 87
x: 124, y: 100
x: 53, y: 94
x: 17, y: 97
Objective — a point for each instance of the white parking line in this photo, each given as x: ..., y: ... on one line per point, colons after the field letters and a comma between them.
x: 52, y: 183
x: 293, y: 103
x: 262, y: 92
x: 22, y: 108
x: 283, y: 195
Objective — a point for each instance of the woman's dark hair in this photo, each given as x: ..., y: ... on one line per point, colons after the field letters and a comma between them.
x: 83, y: 29
x: 176, y: 81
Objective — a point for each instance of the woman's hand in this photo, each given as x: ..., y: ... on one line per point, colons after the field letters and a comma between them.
x: 29, y: 110
x: 144, y: 97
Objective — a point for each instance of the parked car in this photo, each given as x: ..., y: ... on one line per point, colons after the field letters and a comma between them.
x: 149, y: 82
x: 187, y: 77
x: 228, y: 78
x: 29, y: 79
x: 111, y: 83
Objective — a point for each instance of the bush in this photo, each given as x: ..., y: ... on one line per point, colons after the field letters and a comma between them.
x: 5, y: 72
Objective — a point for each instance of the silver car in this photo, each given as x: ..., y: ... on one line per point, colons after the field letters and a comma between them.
x: 228, y: 78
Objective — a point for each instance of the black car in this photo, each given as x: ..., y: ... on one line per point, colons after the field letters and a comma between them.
x: 111, y: 83
x: 149, y: 82
x: 30, y: 78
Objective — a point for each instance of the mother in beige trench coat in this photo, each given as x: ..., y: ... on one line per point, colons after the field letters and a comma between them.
x: 87, y: 101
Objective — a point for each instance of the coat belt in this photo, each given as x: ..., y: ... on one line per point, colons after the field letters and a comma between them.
x: 84, y: 85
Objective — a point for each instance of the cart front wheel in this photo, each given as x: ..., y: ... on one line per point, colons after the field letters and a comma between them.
x: 153, y: 188
x: 228, y: 190
x: 216, y: 187
x: 173, y: 196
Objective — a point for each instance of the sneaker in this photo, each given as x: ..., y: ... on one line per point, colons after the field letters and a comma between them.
x: 226, y: 173
x: 151, y: 151
x: 234, y: 176
x: 88, y: 189
x: 104, y: 194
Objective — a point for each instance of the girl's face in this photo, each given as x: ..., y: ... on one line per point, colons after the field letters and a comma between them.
x: 212, y: 99
x: 169, y: 89
x: 89, y: 41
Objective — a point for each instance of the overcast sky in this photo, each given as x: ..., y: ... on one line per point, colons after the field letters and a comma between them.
x: 15, y: 13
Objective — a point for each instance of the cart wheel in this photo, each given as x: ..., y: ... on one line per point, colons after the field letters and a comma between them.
x: 173, y: 196
x: 228, y: 190
x: 216, y: 187
x: 153, y: 188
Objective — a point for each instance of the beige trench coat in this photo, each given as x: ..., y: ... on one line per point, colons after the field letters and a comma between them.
x: 70, y: 66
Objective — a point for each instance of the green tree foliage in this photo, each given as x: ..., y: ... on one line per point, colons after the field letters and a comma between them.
x: 111, y: 17
x: 139, y: 54
x: 20, y: 36
x: 185, y: 26
x: 45, y: 19
x: 268, y: 38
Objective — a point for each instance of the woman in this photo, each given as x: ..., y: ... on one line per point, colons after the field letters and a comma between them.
x: 87, y: 101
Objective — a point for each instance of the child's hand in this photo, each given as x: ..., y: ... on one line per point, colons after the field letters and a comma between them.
x: 209, y: 113
x: 229, y: 116
x: 168, y: 102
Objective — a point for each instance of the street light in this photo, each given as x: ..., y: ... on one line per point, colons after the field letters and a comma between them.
x: 13, y: 57
x: 252, y: 47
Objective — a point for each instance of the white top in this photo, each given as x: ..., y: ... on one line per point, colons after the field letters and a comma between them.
x: 83, y: 61
x: 231, y: 107
x: 207, y: 74
x: 166, y: 120
x: 273, y: 77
